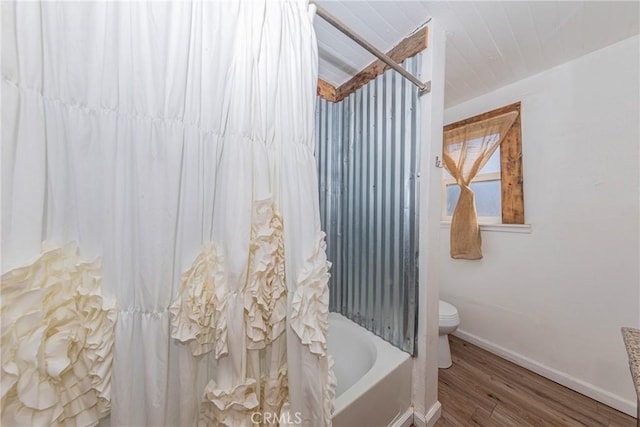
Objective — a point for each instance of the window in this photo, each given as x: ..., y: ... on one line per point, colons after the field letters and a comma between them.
x: 498, y: 185
x: 485, y: 186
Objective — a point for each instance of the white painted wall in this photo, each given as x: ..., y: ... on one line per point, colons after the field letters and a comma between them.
x: 425, y: 368
x: 554, y: 300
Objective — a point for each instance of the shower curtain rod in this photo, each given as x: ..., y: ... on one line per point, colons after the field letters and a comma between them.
x: 335, y: 22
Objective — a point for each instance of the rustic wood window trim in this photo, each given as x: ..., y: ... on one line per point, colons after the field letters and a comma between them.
x: 511, y: 179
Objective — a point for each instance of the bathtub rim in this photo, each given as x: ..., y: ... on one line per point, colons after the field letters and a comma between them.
x: 388, y: 359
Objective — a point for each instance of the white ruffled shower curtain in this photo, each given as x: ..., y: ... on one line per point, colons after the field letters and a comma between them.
x: 158, y: 183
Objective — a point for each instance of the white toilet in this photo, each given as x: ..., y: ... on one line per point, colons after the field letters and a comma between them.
x: 449, y: 321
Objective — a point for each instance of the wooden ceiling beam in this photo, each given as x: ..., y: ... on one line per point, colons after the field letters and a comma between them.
x: 326, y: 91
x: 410, y: 46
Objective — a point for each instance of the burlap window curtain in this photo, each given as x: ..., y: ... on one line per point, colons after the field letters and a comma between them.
x: 466, y: 149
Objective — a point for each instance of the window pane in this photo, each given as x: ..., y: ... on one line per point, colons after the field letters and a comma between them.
x: 474, y: 144
x: 488, y: 197
x: 453, y: 192
x: 493, y: 165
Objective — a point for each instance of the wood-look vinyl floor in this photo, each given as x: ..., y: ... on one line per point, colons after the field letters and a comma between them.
x: 486, y: 390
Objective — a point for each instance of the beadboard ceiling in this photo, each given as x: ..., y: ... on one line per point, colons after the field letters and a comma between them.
x: 489, y: 43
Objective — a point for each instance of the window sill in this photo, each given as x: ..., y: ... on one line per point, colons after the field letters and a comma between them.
x: 502, y: 228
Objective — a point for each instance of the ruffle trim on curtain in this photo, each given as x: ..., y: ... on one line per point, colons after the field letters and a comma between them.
x: 231, y: 408
x: 329, y: 391
x: 199, y: 320
x: 275, y: 395
x: 57, y: 340
x: 310, y: 304
x: 265, y: 297
x: 199, y: 312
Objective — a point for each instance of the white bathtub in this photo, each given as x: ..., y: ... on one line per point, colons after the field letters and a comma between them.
x: 374, y: 377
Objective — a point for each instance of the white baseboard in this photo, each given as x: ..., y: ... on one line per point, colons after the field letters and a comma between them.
x: 433, y: 414
x: 428, y: 420
x: 404, y: 420
x: 590, y: 390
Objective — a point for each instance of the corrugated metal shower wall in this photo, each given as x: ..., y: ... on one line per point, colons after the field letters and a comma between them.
x: 367, y: 154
